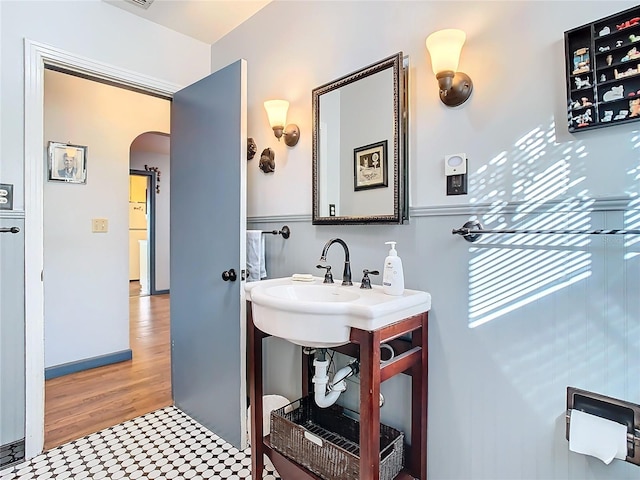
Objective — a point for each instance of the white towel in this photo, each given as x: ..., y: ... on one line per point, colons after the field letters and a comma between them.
x: 256, y: 267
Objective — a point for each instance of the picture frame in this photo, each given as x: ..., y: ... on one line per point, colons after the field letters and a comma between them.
x: 67, y: 163
x: 370, y: 166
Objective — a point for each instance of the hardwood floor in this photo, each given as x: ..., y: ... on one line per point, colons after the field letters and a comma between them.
x: 85, y: 402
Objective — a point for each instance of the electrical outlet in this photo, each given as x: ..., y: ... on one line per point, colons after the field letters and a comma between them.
x: 99, y: 225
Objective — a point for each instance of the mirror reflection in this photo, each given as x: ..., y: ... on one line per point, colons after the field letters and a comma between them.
x: 359, y: 145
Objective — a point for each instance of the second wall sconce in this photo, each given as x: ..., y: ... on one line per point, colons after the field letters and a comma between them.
x: 277, y: 113
x: 444, y: 47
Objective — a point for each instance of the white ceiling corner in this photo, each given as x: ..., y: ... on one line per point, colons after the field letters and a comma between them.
x: 204, y: 20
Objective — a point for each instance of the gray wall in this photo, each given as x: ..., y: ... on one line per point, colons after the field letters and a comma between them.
x: 497, y: 392
x: 558, y: 311
x: 11, y: 328
x: 513, y: 129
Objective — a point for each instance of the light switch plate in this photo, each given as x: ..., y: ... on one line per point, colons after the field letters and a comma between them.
x: 99, y: 225
x: 455, y: 170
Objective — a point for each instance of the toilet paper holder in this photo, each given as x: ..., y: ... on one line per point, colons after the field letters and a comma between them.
x: 619, y: 411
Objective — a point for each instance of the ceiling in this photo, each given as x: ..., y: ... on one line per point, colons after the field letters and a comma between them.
x: 204, y: 20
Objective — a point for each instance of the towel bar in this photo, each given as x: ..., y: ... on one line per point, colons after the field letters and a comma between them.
x: 472, y: 231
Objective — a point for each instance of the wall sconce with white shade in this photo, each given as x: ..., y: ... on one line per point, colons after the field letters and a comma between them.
x: 444, y: 47
x: 277, y: 113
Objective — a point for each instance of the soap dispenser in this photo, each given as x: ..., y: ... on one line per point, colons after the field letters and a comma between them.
x: 393, y: 276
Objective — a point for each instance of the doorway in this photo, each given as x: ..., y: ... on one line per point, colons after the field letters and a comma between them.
x: 149, y: 211
x: 141, y: 215
x: 37, y: 58
x: 88, y: 324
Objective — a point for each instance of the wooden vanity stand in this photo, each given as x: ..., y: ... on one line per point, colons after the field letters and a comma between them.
x: 410, y: 358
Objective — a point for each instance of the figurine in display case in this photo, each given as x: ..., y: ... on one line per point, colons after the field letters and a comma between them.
x: 629, y: 23
x: 581, y: 61
x: 582, y: 120
x: 615, y: 93
x: 631, y: 55
x: 604, y: 31
x: 608, y: 116
x: 580, y: 83
x: 622, y: 114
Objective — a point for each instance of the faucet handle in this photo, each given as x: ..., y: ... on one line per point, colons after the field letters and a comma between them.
x: 328, y: 277
x: 366, y: 281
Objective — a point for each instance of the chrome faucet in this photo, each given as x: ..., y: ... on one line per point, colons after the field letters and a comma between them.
x: 346, y: 275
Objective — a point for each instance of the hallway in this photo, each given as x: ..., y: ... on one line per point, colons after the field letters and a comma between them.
x: 85, y: 402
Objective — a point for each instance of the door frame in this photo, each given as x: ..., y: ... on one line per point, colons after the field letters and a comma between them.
x: 151, y: 226
x: 38, y: 57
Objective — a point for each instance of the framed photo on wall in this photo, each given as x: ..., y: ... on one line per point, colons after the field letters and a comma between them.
x: 370, y: 166
x: 67, y: 163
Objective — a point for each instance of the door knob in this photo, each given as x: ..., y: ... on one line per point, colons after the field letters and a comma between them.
x: 229, y: 275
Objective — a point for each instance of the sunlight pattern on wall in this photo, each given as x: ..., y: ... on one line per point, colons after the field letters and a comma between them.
x: 508, y: 271
x: 632, y: 214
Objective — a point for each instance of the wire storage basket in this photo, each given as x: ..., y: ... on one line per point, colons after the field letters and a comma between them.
x: 326, y: 441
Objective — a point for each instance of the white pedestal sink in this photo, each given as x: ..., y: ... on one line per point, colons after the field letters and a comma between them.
x: 315, y: 314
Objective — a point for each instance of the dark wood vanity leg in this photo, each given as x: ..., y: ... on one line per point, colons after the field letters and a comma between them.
x: 369, y: 404
x: 419, y: 395
x: 254, y: 348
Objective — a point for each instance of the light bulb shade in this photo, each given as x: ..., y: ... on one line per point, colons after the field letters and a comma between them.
x: 277, y: 112
x: 444, y: 47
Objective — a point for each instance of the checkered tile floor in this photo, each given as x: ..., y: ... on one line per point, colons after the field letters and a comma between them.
x: 164, y: 444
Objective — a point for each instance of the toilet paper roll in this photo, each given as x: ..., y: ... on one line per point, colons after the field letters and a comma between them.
x: 597, y: 436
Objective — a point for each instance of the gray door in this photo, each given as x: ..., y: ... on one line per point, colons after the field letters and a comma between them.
x: 208, y: 222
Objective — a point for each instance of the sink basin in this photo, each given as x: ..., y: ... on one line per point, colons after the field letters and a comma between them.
x: 315, y: 314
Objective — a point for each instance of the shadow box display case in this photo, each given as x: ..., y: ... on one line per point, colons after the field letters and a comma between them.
x: 602, y: 62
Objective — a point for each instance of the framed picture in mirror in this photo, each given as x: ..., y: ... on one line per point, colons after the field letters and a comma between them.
x: 370, y: 166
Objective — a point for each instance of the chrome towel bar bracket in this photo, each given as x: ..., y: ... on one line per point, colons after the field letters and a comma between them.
x: 285, y: 232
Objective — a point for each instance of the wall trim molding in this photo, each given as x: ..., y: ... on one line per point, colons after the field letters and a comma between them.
x: 279, y: 218
x: 19, y: 214
x: 87, y: 363
x: 563, y: 205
